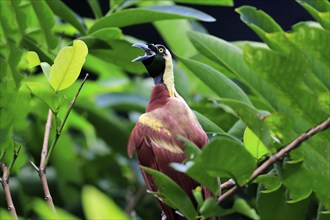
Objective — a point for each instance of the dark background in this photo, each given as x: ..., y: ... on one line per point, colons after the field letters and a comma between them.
x: 227, y: 26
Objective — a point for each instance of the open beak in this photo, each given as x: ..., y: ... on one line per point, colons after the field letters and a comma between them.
x: 148, y: 52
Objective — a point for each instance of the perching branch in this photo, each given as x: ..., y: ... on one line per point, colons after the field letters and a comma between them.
x: 5, y: 183
x: 46, y: 152
x: 278, y: 156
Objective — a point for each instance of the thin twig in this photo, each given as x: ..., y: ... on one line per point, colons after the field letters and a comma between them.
x: 228, y: 184
x: 279, y: 155
x: 11, y: 164
x: 58, y: 131
x: 34, y: 166
x: 44, y: 151
x: 42, y: 166
x: 6, y: 189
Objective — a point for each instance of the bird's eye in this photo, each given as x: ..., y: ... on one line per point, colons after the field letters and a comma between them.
x: 161, y: 50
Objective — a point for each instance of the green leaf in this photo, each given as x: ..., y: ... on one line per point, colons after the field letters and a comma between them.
x: 211, y: 208
x: 208, y: 126
x: 5, y: 214
x: 107, y: 34
x: 67, y: 65
x: 270, y: 182
x: 231, y: 57
x: 45, y: 93
x: 182, y: 47
x: 144, y: 15
x: 46, y: 20
x: 198, y: 196
x: 32, y: 58
x: 46, y: 68
x: 208, y: 2
x: 319, y: 9
x: 172, y: 194
x: 45, y: 212
x: 121, y: 54
x: 253, y: 144
x: 274, y: 206
x: 99, y: 206
x: 252, y: 118
x: 258, y: 21
x: 102, y: 39
x: 216, y: 161
x: 242, y: 207
x: 95, y: 8
x: 219, y: 83
x: 64, y: 12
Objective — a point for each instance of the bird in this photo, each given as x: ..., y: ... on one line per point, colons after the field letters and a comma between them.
x: 155, y: 137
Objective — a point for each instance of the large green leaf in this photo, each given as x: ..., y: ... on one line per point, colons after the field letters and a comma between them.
x: 319, y: 9
x: 172, y: 194
x: 98, y: 206
x: 313, y: 42
x: 150, y: 14
x: 121, y: 54
x: 274, y: 206
x: 223, y: 157
x: 208, y: 2
x: 46, y: 21
x: 231, y: 57
x: 67, y: 65
x: 44, y: 211
x: 258, y: 21
x: 208, y: 126
x: 219, y: 83
x: 64, y: 12
x: 95, y: 8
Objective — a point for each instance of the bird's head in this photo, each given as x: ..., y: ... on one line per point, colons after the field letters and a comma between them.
x: 157, y: 60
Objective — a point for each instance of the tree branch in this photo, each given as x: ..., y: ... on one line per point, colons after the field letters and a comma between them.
x: 278, y: 156
x: 6, y: 189
x: 42, y: 166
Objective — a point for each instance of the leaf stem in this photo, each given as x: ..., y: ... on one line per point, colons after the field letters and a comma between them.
x: 59, y: 131
x: 278, y: 156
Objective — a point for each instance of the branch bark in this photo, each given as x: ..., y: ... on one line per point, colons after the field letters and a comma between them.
x: 42, y: 166
x: 278, y: 156
x: 6, y: 189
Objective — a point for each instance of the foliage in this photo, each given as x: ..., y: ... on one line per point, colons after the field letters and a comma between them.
x: 252, y: 98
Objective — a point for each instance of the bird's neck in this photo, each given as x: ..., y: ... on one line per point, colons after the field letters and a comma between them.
x: 168, y: 76
x: 158, y: 98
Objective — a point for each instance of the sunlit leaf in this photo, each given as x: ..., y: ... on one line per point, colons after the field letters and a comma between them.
x: 253, y: 144
x: 44, y: 211
x: 99, y: 206
x: 32, y: 58
x: 67, y: 65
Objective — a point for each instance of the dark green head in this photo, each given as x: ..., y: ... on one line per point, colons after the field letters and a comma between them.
x: 153, y: 60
